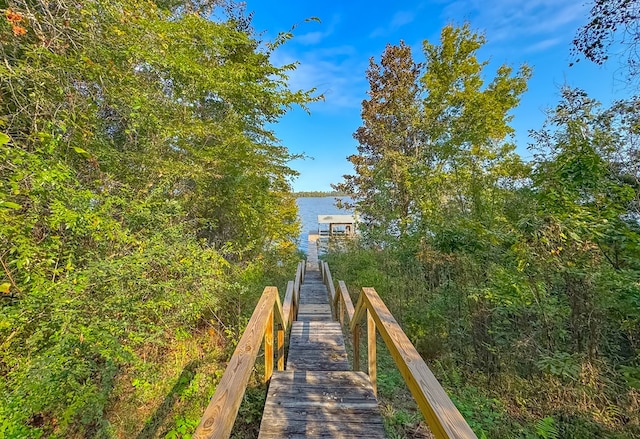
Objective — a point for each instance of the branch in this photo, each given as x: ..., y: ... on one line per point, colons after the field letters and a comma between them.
x: 8, y: 273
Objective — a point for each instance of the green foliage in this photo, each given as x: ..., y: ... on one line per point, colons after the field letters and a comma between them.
x: 546, y: 428
x: 182, y: 429
x: 561, y: 365
x: 484, y: 414
x: 144, y: 202
x: 250, y: 413
x: 520, y: 281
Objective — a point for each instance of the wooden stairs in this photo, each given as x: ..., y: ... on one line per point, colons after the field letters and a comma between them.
x: 318, y: 395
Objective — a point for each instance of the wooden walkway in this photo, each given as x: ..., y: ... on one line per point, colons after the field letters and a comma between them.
x: 318, y: 395
x: 312, y: 251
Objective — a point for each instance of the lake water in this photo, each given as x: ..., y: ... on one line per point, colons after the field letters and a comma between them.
x: 308, y: 211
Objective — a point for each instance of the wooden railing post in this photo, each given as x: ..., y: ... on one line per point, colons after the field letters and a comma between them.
x: 289, y: 305
x: 280, y: 352
x: 371, y: 351
x: 356, y: 347
x: 355, y: 329
x: 268, y: 348
x: 283, y: 319
x: 442, y: 416
x: 328, y: 281
x: 219, y: 416
x: 296, y: 289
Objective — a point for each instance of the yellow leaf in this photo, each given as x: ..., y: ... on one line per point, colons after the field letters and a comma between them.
x: 4, y: 139
x: 5, y: 287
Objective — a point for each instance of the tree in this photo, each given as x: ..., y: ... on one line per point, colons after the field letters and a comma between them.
x: 610, y: 20
x: 388, y: 145
x: 465, y: 161
x: 586, y: 175
x: 583, y: 237
x: 137, y: 173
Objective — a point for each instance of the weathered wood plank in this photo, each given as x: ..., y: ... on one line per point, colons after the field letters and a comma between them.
x: 311, y: 312
x: 312, y: 252
x: 316, y: 345
x: 345, y: 378
x: 321, y: 404
x: 325, y: 362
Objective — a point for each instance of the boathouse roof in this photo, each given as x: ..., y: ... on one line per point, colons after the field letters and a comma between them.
x: 336, y: 219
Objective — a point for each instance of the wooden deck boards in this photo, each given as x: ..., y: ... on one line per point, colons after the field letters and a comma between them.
x: 312, y: 251
x: 317, y: 345
x: 321, y: 404
x: 318, y: 396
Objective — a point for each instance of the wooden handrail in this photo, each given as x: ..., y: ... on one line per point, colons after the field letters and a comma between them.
x: 442, y: 416
x: 220, y: 414
x: 344, y: 303
x: 297, y: 284
x: 328, y: 281
x: 288, y: 306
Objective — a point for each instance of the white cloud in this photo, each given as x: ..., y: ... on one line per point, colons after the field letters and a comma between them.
x: 310, y: 38
x: 513, y: 26
x: 506, y: 19
x: 331, y: 71
x: 399, y: 19
x: 544, y: 44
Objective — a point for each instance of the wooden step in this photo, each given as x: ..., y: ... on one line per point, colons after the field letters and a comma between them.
x: 321, y: 404
x: 316, y: 345
x: 311, y: 294
x: 314, y: 312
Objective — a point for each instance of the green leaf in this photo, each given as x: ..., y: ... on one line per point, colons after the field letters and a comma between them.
x: 5, y: 287
x: 4, y: 139
x: 10, y: 205
x: 81, y: 151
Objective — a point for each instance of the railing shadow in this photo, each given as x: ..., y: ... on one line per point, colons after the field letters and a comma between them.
x: 154, y: 422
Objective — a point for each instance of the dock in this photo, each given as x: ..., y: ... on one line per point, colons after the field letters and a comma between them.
x: 312, y: 251
x: 329, y: 226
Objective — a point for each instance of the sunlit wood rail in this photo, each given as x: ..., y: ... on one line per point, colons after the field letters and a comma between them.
x: 220, y: 414
x: 441, y: 415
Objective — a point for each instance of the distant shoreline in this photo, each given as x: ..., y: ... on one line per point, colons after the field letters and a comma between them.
x: 318, y: 194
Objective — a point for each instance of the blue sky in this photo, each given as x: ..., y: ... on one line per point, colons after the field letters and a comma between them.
x: 334, y: 56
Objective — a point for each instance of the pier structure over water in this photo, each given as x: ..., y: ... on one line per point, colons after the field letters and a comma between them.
x: 336, y: 225
x: 329, y: 226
